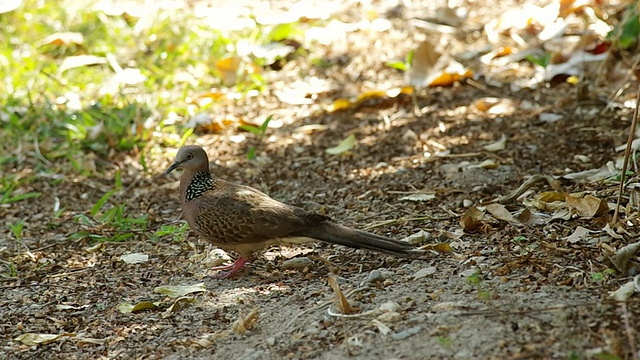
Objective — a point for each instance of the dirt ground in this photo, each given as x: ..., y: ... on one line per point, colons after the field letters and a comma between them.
x: 506, y: 291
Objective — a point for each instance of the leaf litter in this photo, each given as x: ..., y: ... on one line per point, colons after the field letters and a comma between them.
x: 496, y: 272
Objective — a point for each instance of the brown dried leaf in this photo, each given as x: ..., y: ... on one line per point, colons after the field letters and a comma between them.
x: 341, y: 300
x: 472, y: 221
x: 500, y: 212
x: 244, y: 323
x: 588, y: 206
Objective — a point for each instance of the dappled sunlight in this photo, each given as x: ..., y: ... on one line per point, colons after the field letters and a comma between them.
x: 488, y: 138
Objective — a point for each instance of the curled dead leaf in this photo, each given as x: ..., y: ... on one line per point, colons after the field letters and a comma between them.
x: 244, y: 323
x: 341, y: 301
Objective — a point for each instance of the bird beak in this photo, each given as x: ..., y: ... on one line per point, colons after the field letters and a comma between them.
x: 173, y: 166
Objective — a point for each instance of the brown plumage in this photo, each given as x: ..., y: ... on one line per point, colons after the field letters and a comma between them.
x: 244, y: 220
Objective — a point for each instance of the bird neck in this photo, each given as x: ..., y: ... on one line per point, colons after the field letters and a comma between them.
x: 197, y: 185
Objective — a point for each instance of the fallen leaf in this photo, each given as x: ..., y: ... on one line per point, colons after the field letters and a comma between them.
x: 345, y: 145
x: 135, y: 258
x: 500, y: 212
x: 418, y: 197
x: 37, y: 339
x: 126, y: 307
x: 439, y: 247
x: 178, y: 304
x: 180, y: 290
x: 588, y: 206
x: 578, y: 234
x: 93, y: 341
x: 498, y: 145
x: 382, y: 328
x: 341, y: 301
x: 418, y: 237
x: 623, y: 256
x: 471, y: 221
x: 244, y: 323
x: 624, y: 292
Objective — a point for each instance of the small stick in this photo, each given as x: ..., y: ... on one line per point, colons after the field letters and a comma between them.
x: 627, y: 153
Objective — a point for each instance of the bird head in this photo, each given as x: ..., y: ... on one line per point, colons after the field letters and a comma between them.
x: 191, y: 157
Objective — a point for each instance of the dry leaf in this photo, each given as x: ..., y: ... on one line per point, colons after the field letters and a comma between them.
x: 500, y: 212
x: 623, y: 256
x: 498, y: 145
x: 588, y: 206
x: 37, y: 339
x: 341, y: 301
x: 471, y: 221
x: 345, y: 145
x: 135, y: 258
x: 440, y: 247
x: 419, y: 197
x: 244, y: 323
x: 578, y: 234
x: 180, y: 290
x: 624, y: 292
x: 178, y: 305
x: 418, y: 237
x: 126, y: 308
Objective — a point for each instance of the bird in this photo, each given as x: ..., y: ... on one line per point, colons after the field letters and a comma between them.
x: 244, y: 220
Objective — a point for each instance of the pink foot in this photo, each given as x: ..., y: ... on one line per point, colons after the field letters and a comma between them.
x: 226, y: 271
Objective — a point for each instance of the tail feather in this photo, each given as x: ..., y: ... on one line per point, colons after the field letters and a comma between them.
x: 342, y: 235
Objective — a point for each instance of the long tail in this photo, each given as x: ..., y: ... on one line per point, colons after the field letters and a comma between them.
x: 337, y: 234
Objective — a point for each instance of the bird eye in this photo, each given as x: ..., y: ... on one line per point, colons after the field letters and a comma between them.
x: 190, y: 156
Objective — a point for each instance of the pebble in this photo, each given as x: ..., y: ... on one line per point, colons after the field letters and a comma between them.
x: 424, y: 272
x: 375, y: 276
x: 390, y: 317
x: 298, y: 263
x: 389, y: 306
x: 406, y: 333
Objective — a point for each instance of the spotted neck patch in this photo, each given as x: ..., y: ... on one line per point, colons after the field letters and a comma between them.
x: 200, y: 183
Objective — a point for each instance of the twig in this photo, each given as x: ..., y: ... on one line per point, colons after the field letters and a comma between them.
x: 526, y: 185
x: 330, y: 312
x: 627, y: 153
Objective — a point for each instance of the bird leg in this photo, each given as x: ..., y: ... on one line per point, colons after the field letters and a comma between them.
x: 226, y: 271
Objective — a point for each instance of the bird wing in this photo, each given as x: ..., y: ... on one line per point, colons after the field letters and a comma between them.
x: 241, y: 214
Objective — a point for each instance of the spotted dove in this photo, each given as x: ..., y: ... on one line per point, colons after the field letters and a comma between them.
x: 244, y: 220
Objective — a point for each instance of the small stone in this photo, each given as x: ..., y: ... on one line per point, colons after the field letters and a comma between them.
x: 298, y: 263
x: 375, y: 276
x: 389, y: 306
x: 312, y: 330
x: 424, y: 272
x: 390, y: 317
x: 406, y: 333
x: 271, y: 340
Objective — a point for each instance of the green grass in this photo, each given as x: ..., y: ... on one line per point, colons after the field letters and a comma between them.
x: 69, y: 111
